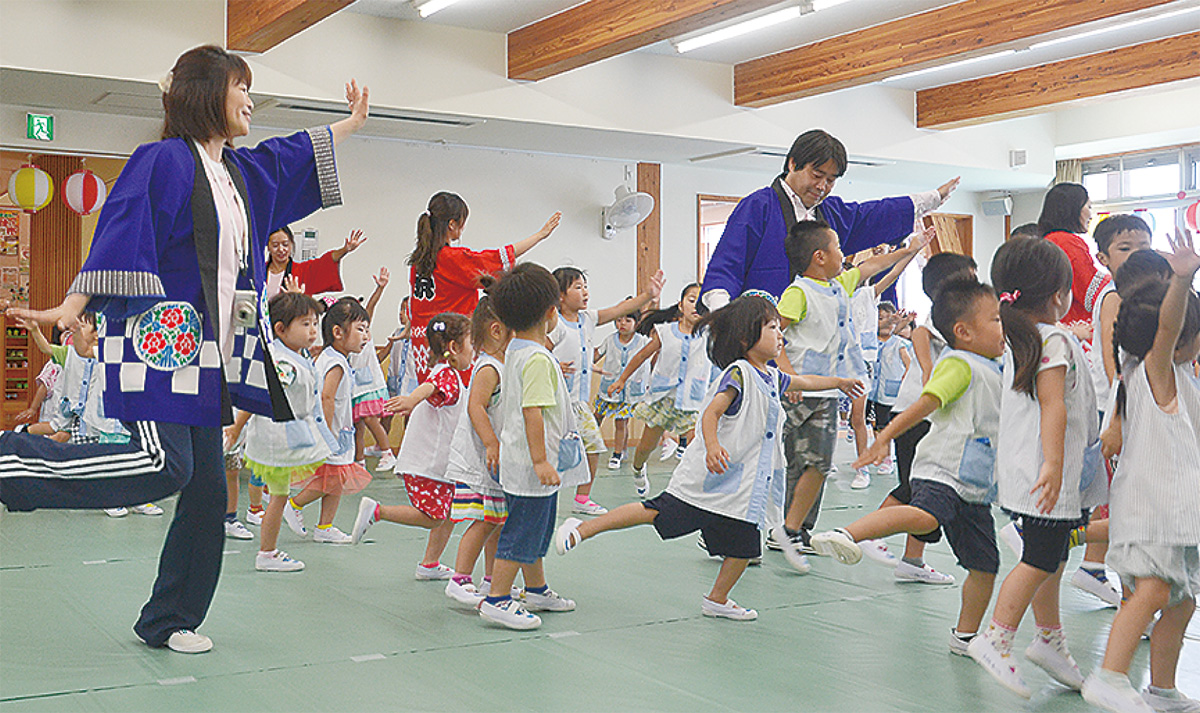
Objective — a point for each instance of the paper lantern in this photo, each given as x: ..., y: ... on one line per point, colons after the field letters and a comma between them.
x: 30, y: 188
x: 1191, y: 216
x: 84, y: 192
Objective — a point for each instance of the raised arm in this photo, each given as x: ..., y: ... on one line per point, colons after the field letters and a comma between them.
x: 524, y: 246
x: 894, y: 274
x: 638, y: 359
x: 358, y: 101
x: 923, y: 351
x: 381, y: 281
x: 353, y: 241
x: 633, y: 304
x: 878, y: 263
x: 1160, y: 361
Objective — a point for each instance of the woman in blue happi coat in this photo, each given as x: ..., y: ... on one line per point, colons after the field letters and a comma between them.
x: 175, y: 264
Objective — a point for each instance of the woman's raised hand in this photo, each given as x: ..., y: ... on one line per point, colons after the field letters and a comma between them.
x: 549, y: 226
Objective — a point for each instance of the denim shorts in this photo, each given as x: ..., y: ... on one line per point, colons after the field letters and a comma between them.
x: 526, y: 535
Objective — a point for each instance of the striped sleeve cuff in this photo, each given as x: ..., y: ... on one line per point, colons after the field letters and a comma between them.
x: 121, y: 283
x: 327, y: 178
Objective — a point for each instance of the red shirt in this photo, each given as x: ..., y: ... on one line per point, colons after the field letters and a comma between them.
x: 1086, y: 279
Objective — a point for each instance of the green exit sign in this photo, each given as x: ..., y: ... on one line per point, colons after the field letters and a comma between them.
x: 39, y: 127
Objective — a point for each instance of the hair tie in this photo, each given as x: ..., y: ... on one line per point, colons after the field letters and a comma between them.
x: 329, y: 301
x: 1010, y: 297
x: 165, y: 83
x: 438, y: 327
x: 446, y: 354
x: 763, y: 294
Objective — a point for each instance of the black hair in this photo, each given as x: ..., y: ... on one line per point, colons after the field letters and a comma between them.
x: 1137, y: 325
x: 736, y: 327
x: 1031, y: 271
x: 803, y: 240
x: 886, y: 306
x: 342, y: 313
x: 669, y: 314
x: 522, y: 296
x: 481, y: 319
x: 444, y: 328
x: 287, y: 307
x: 941, y: 268
x: 634, y: 315
x: 286, y: 231
x: 815, y: 147
x: 432, y: 226
x: 88, y: 317
x: 1061, y: 208
x: 955, y: 302
x: 1114, y: 225
x: 566, y: 276
x: 56, y: 334
x: 194, y: 103
x: 1141, y: 267
x: 1028, y: 230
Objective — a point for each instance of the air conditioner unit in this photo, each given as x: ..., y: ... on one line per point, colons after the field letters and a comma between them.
x: 998, y: 206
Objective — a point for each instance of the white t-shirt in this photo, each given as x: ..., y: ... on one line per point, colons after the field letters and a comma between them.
x: 233, y: 232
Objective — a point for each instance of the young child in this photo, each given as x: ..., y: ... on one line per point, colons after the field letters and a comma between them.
x: 952, y: 475
x: 892, y: 357
x: 475, y: 458
x: 821, y: 341
x: 571, y: 341
x: 433, y: 410
x: 1155, y: 496
x: 1048, y: 403
x: 44, y: 404
x: 730, y: 482
x: 678, y: 381
x: 540, y: 448
x: 345, y: 329
x: 615, y: 353
x: 402, y: 369
x: 281, y: 453
x: 370, y: 390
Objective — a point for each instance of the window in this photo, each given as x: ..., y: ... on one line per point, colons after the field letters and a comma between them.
x: 1147, y: 183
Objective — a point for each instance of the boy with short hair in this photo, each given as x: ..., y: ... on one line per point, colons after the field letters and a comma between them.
x: 540, y: 447
x: 952, y: 475
x: 571, y: 341
x: 821, y: 341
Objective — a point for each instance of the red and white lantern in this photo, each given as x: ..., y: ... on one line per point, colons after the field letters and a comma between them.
x: 84, y: 192
x: 1191, y: 216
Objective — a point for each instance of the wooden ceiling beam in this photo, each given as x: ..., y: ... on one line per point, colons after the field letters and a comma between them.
x: 1030, y: 90
x: 600, y: 29
x: 950, y: 33
x: 259, y: 25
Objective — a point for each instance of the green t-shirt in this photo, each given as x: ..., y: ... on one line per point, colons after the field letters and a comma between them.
x: 539, y: 383
x: 58, y: 353
x: 949, y: 381
x: 794, y: 306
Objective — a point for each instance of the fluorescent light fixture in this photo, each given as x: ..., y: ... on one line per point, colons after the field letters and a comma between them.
x: 428, y: 8
x: 737, y: 30
x: 940, y: 67
x: 1112, y: 28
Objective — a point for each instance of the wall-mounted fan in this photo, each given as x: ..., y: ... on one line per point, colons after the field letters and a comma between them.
x: 626, y: 211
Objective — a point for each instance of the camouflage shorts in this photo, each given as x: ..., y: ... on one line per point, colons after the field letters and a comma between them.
x: 809, y: 436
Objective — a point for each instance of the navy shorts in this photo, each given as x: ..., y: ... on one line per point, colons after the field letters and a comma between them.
x: 723, y: 535
x: 1047, y: 541
x: 968, y: 526
x: 526, y: 535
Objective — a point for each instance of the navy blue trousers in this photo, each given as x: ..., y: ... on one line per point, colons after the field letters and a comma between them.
x: 160, y: 459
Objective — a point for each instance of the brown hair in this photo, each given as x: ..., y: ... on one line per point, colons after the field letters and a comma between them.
x: 195, y: 98
x: 1028, y: 272
x: 481, y: 320
x: 445, y: 328
x: 432, y: 227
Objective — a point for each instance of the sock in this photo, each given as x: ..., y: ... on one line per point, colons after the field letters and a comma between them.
x: 255, y: 508
x: 617, y: 454
x: 487, y: 578
x: 326, y: 526
x: 915, y: 561
x: 498, y: 600
x: 1001, y: 636
x: 581, y: 499
x: 847, y: 534
x: 1052, y: 634
x: 231, y: 517
x: 1077, y: 537
x: 293, y: 504
x: 267, y: 553
x: 964, y: 635
x: 461, y: 579
x: 375, y: 515
x: 1172, y: 693
x: 538, y: 590
x: 790, y: 532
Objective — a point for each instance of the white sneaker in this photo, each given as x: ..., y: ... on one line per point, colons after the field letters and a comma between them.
x: 147, y: 509
x: 680, y: 451
x: 1182, y: 704
x: 567, y: 537
x: 1011, y: 536
x: 254, y: 518
x: 116, y: 512
x: 924, y: 574
x: 549, y: 601
x: 1055, y: 660
x: 437, y: 572
x: 294, y: 517
x: 837, y: 543
x: 862, y: 479
x: 277, y: 561
x: 465, y: 593
x: 1112, y: 692
x: 1000, y: 666
x: 509, y: 613
x: 791, y: 551
x: 331, y: 536
x: 877, y: 552
x: 728, y: 610
x: 614, y: 463
x: 372, y: 452
x: 237, y: 531
x: 186, y: 641
x: 364, y: 519
x: 849, y: 435
x: 668, y: 449
x: 958, y: 646
x: 1096, y: 584
x: 641, y: 482
x: 590, y: 507
x: 386, y: 462
x: 887, y: 467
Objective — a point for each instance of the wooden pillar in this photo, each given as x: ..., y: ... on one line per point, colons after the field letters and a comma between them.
x: 649, y: 231
x: 55, y: 247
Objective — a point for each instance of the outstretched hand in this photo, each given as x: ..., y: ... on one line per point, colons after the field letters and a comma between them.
x: 918, y: 241
x: 382, y: 279
x: 353, y: 241
x: 948, y: 187
x: 358, y: 99
x: 291, y: 283
x: 655, y: 288
x: 1183, y: 258
x: 549, y: 227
